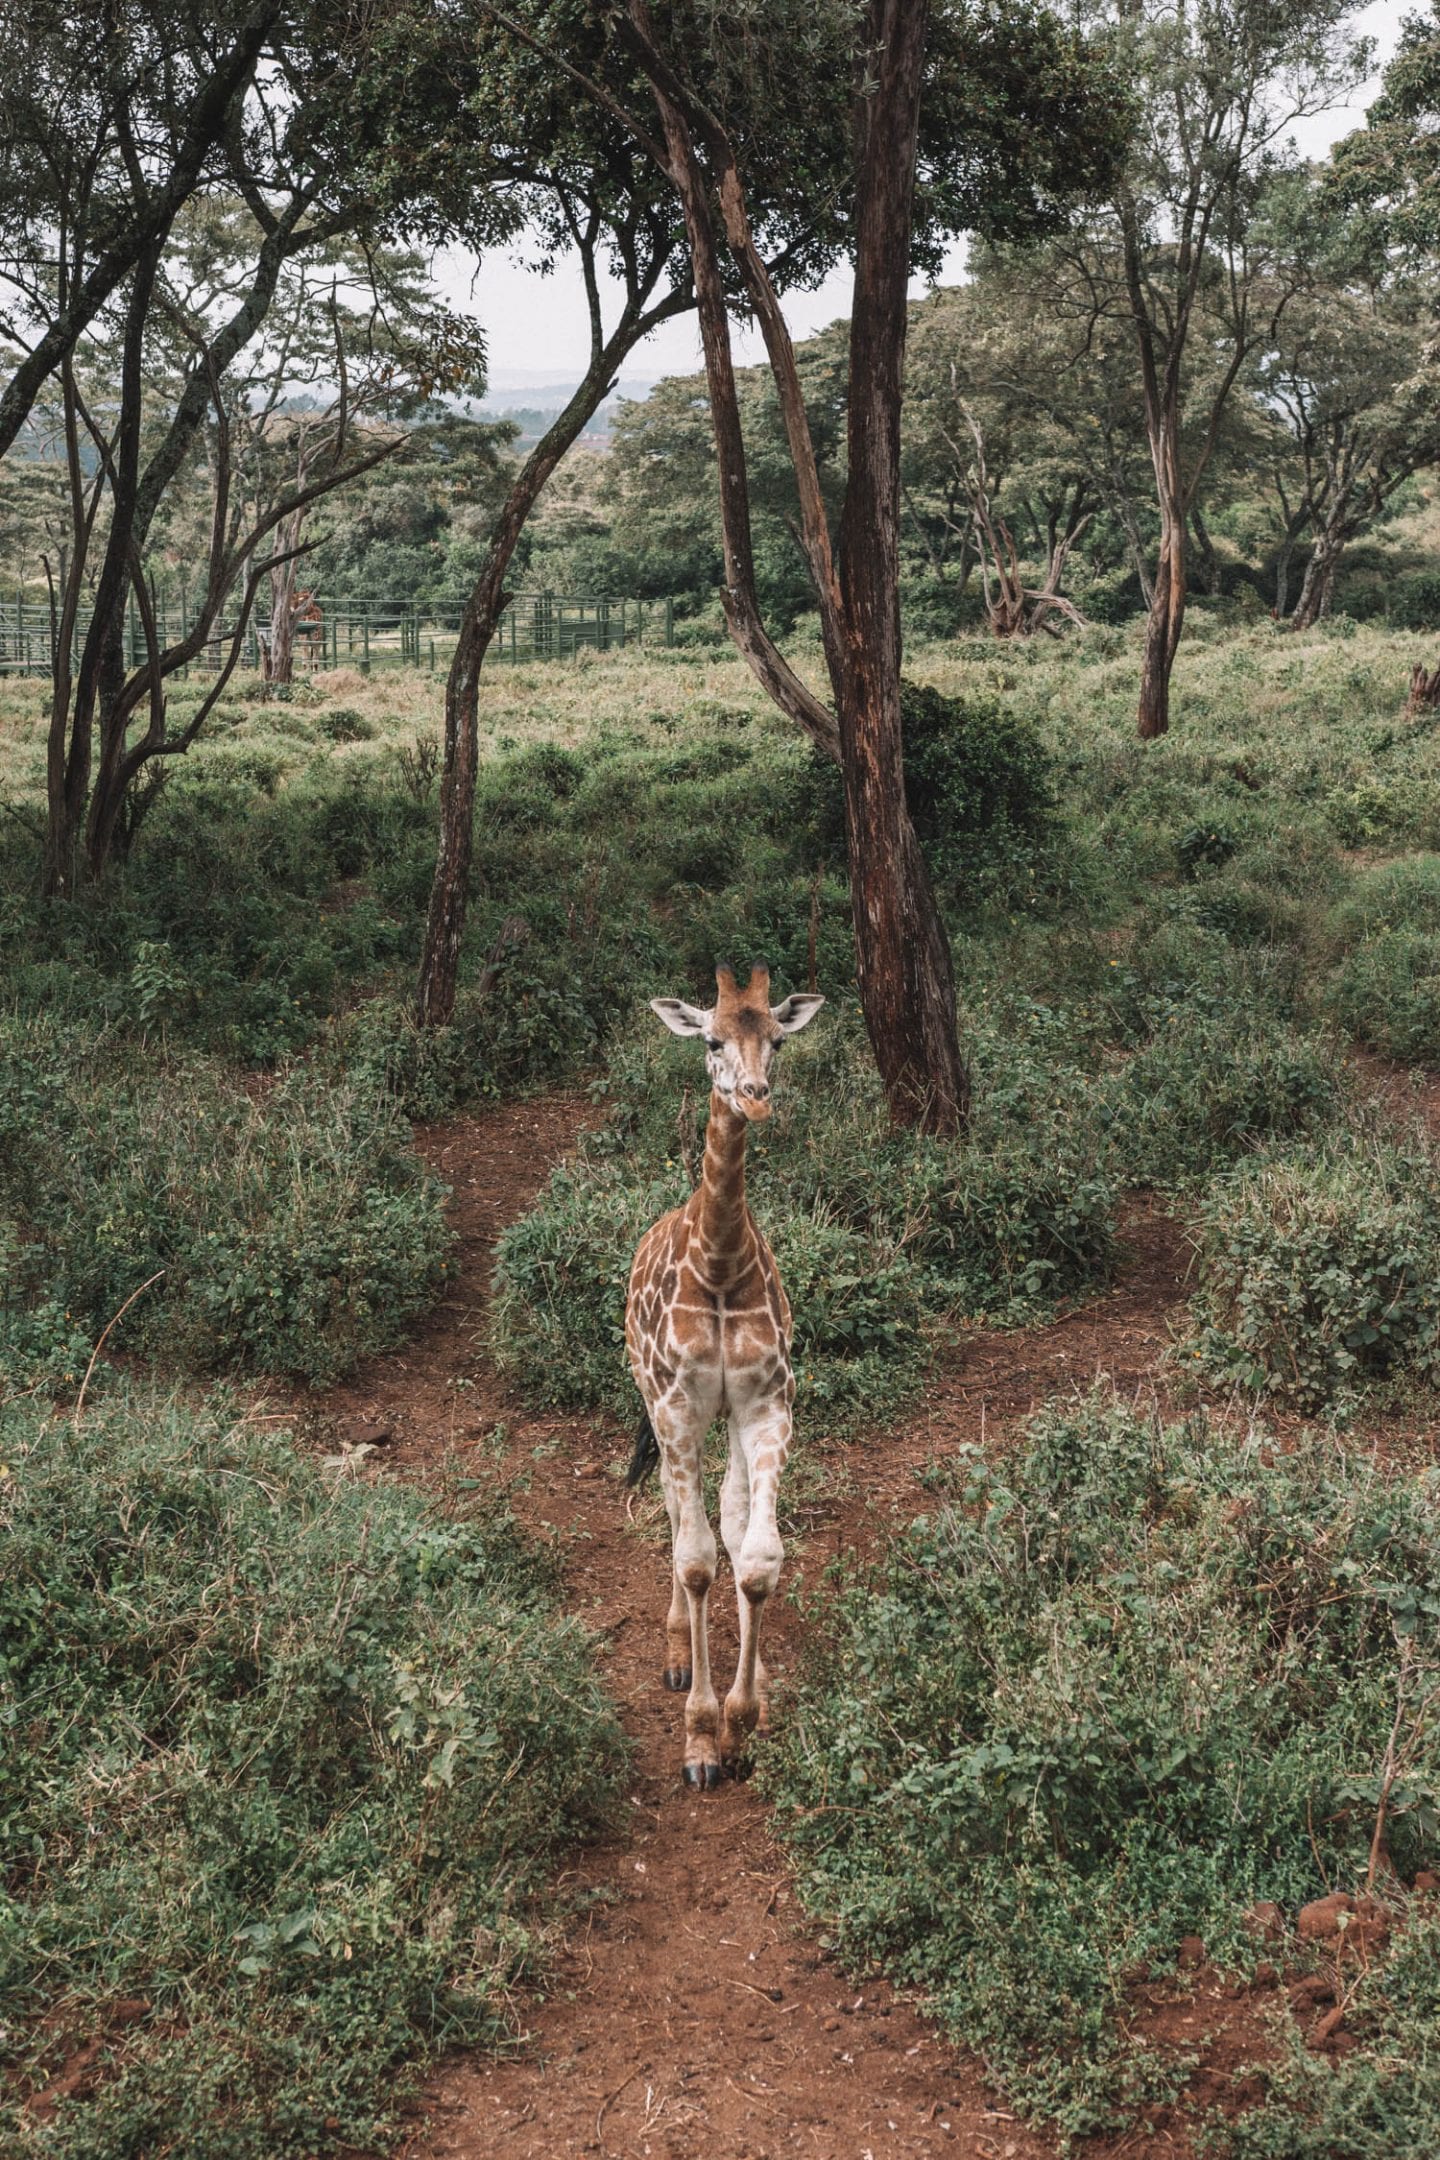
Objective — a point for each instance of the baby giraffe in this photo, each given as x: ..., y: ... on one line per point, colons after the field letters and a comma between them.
x: 708, y: 1330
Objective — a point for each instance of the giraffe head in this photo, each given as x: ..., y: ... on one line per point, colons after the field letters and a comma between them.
x: 742, y: 1032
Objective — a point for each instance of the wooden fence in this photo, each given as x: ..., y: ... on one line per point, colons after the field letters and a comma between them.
x: 364, y: 634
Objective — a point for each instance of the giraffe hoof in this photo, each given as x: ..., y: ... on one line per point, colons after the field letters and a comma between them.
x: 677, y: 1679
x: 701, y: 1776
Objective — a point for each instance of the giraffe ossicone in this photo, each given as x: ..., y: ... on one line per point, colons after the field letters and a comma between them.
x: 707, y: 1327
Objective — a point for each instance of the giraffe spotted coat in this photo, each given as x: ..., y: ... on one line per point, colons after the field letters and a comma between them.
x: 707, y: 1326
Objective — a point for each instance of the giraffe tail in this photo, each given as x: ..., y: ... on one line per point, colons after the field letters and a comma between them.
x: 647, y: 1452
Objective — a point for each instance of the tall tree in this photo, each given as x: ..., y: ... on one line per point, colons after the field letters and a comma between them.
x: 197, y: 401
x: 983, y: 75
x: 1218, y: 85
x: 1390, y: 168
x: 1350, y: 383
x: 111, y: 118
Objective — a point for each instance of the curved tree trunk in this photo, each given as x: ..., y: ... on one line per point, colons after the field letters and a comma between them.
x: 1163, y: 625
x: 903, y: 963
x: 1318, y: 588
x: 450, y: 888
x: 902, y: 953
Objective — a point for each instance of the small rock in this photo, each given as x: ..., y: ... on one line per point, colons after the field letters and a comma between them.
x: 1328, y: 2026
x: 1265, y: 1922
x: 1310, y: 1991
x: 829, y: 2024
x: 1191, y: 1952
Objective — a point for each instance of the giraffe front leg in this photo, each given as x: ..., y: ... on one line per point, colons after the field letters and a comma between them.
x: 676, y: 1675
x: 695, y: 1572
x: 759, y: 1456
x: 681, y: 1435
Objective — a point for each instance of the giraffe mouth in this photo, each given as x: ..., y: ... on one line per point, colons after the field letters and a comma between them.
x: 757, y: 1112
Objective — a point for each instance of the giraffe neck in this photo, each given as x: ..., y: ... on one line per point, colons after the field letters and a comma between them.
x: 722, y: 1218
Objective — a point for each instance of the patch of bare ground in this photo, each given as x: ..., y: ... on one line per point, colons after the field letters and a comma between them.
x: 695, y: 2007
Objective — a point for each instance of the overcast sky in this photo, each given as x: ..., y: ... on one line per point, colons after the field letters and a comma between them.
x: 537, y: 330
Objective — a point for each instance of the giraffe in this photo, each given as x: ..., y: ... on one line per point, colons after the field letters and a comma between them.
x: 707, y: 1327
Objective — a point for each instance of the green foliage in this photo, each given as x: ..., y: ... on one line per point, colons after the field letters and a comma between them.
x: 1107, y: 1696
x: 292, y: 1229
x: 287, y: 1760
x: 342, y: 724
x: 1387, y: 993
x: 1212, y: 1084
x: 980, y: 786
x: 1379, y: 2102
x: 1321, y: 1272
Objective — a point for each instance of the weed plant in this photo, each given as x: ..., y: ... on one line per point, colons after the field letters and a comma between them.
x: 289, y: 1761
x: 1320, y: 1272
x: 290, y: 1230
x: 1107, y: 1695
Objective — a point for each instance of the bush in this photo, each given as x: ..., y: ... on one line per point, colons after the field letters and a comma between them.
x: 341, y: 724
x: 291, y: 1233
x: 1401, y: 895
x: 1212, y: 1085
x: 1319, y: 1274
x: 980, y: 786
x: 1107, y: 1697
x: 1387, y: 994
x: 297, y: 1756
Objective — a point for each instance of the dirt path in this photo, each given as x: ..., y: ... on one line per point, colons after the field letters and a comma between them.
x: 698, y: 2011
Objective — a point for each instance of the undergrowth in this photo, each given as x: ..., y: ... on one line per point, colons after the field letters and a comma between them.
x: 285, y: 1230
x: 287, y: 1763
x: 1107, y: 1695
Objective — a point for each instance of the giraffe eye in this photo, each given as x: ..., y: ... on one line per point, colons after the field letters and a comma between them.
x: 712, y: 1042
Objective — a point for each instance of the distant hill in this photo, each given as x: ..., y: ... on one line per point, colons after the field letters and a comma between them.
x: 533, y: 403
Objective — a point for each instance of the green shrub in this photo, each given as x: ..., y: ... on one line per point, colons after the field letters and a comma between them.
x: 1397, y: 809
x: 1108, y: 1696
x: 1400, y: 895
x: 980, y: 786
x: 1379, y: 2102
x: 1322, y: 1272
x: 341, y: 723
x: 1387, y: 993
x: 291, y: 1232
x: 1211, y: 1085
x: 296, y: 1757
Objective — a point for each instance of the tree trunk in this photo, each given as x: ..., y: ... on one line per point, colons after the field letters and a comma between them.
x: 450, y: 889
x: 903, y: 961
x: 1207, y: 566
x: 1318, y: 588
x: 279, y: 652
x: 902, y: 954
x: 1163, y: 625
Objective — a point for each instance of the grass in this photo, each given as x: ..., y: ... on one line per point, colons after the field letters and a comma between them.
x: 288, y: 1764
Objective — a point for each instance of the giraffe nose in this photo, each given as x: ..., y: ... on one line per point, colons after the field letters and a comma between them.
x: 759, y: 1089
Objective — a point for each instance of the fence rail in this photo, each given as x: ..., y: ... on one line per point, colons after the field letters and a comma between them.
x: 360, y: 633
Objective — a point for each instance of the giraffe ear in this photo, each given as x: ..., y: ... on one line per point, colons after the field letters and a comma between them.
x: 794, y: 1013
x: 680, y: 1018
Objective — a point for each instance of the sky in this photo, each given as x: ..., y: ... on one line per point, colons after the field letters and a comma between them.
x: 537, y: 329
